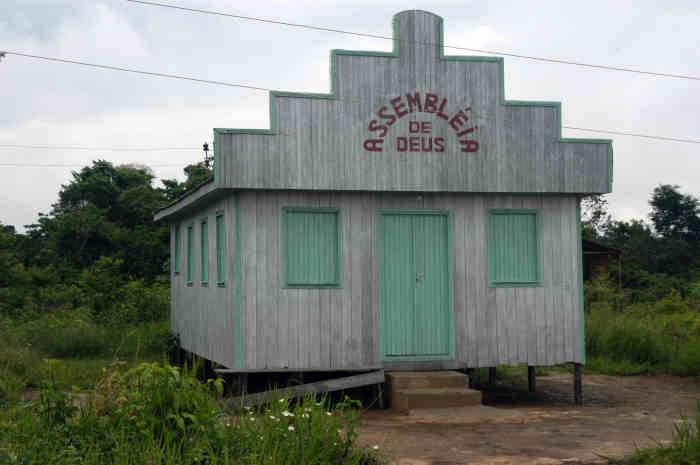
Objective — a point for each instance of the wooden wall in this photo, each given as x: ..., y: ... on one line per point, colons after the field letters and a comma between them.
x: 204, y: 316
x: 317, y: 143
x: 338, y: 328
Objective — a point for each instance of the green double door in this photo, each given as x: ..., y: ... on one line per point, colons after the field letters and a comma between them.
x: 415, y: 286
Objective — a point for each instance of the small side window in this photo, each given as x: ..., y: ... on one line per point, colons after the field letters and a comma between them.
x: 513, y: 248
x: 190, y: 254
x: 220, y: 249
x: 312, y: 247
x: 204, y: 248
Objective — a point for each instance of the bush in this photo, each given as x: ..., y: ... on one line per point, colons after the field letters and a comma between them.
x: 157, y: 414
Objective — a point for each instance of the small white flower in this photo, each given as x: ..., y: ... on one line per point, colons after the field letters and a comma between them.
x: 376, y: 447
x: 304, y: 415
x: 261, y: 437
x: 228, y: 424
x: 329, y: 413
x: 272, y: 417
x: 287, y: 413
x: 251, y: 418
x: 247, y: 407
x: 282, y: 400
x: 290, y: 428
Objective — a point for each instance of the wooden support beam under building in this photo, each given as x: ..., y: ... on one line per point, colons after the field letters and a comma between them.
x: 578, y: 387
x: 492, y: 376
x: 531, y: 383
x: 338, y: 384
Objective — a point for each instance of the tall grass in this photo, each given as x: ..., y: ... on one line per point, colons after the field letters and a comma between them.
x: 627, y: 343
x: 157, y: 414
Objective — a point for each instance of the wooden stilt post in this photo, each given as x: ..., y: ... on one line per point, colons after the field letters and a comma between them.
x: 470, y: 375
x: 578, y: 388
x: 207, y: 369
x: 492, y: 376
x: 379, y: 390
x: 531, y: 382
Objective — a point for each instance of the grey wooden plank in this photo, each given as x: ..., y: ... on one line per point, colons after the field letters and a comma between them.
x: 338, y: 384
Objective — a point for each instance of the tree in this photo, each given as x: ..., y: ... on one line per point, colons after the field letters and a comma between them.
x: 196, y: 174
x: 595, y: 217
x: 675, y: 215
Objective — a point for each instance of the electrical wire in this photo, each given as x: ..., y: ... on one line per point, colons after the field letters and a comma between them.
x: 454, y: 47
x: 632, y: 134
x: 105, y: 149
x: 55, y: 165
x: 135, y: 71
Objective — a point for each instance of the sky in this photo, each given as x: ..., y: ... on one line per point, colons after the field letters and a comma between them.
x: 43, y: 103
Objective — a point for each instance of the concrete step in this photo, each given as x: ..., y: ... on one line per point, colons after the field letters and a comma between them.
x: 425, y: 379
x: 405, y: 400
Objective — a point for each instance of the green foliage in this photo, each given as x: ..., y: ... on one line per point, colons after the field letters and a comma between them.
x: 157, y: 414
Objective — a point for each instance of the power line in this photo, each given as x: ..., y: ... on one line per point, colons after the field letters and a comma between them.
x: 136, y: 71
x: 55, y: 165
x: 378, y: 36
x: 106, y: 149
x: 633, y: 134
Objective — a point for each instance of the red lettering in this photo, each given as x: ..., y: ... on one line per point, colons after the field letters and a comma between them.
x: 413, y: 101
x: 426, y: 127
x: 439, y: 144
x: 458, y: 120
x: 388, y: 116
x: 430, y: 103
x: 373, y: 145
x: 466, y: 131
x: 429, y: 147
x: 442, y: 107
x: 413, y: 126
x: 414, y: 144
x: 401, y: 144
x: 397, y: 104
x: 469, y: 145
x: 373, y: 126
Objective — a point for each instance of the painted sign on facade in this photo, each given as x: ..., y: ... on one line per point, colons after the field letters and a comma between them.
x: 420, y: 133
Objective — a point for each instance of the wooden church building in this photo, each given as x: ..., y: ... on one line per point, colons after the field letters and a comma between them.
x: 410, y: 219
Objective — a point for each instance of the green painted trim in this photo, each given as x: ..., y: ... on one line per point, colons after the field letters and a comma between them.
x: 580, y: 281
x: 217, y: 176
x: 220, y: 248
x: 490, y: 245
x: 177, y: 252
x: 333, y: 95
x: 338, y: 284
x: 239, y: 293
x: 204, y: 251
x: 190, y: 253
x: 450, y: 279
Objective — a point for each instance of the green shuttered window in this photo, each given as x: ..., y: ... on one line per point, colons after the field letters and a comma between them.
x: 204, y: 241
x: 190, y: 253
x: 312, y: 247
x: 220, y: 250
x: 176, y: 258
x: 513, y: 248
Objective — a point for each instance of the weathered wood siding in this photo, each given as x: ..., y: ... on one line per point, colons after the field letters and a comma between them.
x: 316, y: 142
x: 339, y: 328
x: 204, y: 315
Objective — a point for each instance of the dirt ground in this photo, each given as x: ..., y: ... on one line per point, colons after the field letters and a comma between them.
x: 619, y: 414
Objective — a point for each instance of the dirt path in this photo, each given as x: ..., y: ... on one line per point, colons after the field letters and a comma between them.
x: 547, y: 428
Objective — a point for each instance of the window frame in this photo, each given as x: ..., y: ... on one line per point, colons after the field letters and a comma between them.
x: 220, y: 249
x: 338, y: 282
x: 190, y: 253
x: 491, y: 246
x: 177, y: 252
x: 204, y: 251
